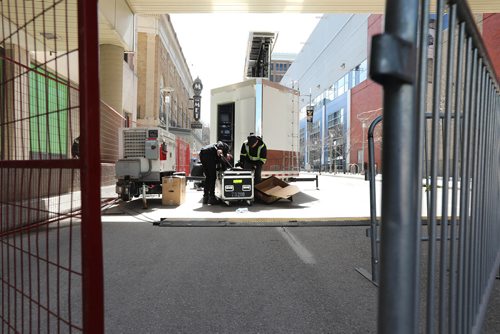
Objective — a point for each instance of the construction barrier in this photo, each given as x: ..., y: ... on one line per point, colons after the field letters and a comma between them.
x: 461, y: 151
x: 50, y: 176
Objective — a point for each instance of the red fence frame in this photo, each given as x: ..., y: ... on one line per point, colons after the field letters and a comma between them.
x: 92, y: 262
x: 48, y: 192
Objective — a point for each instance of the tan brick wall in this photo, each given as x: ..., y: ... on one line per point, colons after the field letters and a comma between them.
x: 111, y: 75
x: 15, y: 117
x: 141, y: 78
x: 163, y: 68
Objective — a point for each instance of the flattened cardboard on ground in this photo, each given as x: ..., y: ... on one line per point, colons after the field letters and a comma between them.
x: 273, y: 189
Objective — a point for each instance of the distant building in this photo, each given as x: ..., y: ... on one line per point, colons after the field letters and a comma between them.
x: 165, y: 85
x: 329, y: 73
x: 280, y: 62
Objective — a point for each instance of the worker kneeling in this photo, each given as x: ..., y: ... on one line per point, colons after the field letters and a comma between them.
x: 210, y: 156
x: 253, y: 155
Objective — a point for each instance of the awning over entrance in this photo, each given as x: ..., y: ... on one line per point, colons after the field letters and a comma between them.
x: 116, y: 17
x: 279, y: 6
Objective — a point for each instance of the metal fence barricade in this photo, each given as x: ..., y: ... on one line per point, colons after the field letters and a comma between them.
x: 453, y: 79
x: 373, y: 230
x: 50, y: 232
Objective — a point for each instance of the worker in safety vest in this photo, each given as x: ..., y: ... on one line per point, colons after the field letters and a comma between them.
x: 210, y: 156
x: 253, y: 155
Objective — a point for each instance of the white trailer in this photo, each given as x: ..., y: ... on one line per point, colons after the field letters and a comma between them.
x: 265, y: 108
x: 146, y: 155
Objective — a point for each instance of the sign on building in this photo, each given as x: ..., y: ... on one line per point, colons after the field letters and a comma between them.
x: 196, y: 125
x: 309, y: 113
x: 197, y: 107
x: 197, y: 88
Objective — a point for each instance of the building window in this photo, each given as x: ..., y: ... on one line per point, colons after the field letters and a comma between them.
x: 49, y: 102
x: 330, y: 120
x: 360, y: 156
x: 340, y: 85
x: 363, y: 71
x: 356, y: 75
x: 329, y: 93
x: 336, y: 118
x: 359, y: 74
x: 346, y: 81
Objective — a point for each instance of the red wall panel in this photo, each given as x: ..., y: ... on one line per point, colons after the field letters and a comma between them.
x: 366, y: 105
x: 491, y: 38
x: 182, y: 156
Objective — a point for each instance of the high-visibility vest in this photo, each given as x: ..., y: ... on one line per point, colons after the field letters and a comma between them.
x: 257, y: 158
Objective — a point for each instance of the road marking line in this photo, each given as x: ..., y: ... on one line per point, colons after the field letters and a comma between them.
x: 298, y: 248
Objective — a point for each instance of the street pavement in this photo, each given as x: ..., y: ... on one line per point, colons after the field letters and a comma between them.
x: 236, y: 279
x: 241, y: 280
x: 288, y: 267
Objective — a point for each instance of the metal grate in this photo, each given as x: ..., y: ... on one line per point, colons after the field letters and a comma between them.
x: 133, y: 141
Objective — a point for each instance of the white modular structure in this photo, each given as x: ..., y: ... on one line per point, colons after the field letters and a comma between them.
x: 265, y: 108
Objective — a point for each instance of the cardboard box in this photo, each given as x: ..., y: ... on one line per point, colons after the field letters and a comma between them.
x: 273, y: 189
x: 173, y: 190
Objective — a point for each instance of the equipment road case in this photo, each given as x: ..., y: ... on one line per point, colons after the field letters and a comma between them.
x: 234, y: 185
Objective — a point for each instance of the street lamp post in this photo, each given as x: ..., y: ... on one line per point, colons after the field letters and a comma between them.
x: 363, y: 125
x: 322, y: 132
x: 332, y: 151
x: 309, y: 130
x: 309, y: 121
x: 310, y: 112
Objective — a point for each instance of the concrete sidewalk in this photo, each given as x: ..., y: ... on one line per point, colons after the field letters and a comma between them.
x: 339, y: 198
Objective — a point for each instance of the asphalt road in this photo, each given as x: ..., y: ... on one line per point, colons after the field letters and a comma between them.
x: 221, y: 279
x: 248, y: 279
x: 237, y: 280
x: 228, y: 278
x: 242, y: 280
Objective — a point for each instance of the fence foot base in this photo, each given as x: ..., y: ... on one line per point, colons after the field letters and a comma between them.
x: 366, y: 275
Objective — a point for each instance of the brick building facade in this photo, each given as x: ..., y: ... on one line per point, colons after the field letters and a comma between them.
x: 164, y: 80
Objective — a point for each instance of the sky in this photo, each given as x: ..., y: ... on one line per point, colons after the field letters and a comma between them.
x: 215, y: 45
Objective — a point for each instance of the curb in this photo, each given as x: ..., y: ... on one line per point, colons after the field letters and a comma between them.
x: 263, y: 222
